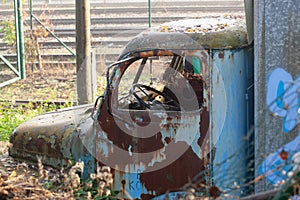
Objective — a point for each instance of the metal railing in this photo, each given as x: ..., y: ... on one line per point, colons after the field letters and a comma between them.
x: 32, y: 16
x: 21, y: 71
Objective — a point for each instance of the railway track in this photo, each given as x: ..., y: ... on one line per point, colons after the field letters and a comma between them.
x: 62, y: 59
x: 112, y: 24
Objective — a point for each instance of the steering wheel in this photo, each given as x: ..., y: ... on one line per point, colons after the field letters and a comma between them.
x: 169, y: 103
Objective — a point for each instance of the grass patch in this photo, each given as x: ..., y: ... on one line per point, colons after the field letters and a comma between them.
x: 12, y: 116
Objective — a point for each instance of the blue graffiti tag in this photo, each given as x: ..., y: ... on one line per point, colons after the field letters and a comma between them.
x: 283, y: 98
x: 273, y: 166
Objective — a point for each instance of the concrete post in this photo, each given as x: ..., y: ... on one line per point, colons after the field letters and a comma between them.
x: 83, y: 52
x: 277, y: 73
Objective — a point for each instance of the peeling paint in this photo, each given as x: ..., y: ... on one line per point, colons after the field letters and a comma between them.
x: 50, y: 139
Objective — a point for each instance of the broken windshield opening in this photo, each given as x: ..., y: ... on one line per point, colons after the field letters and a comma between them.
x: 168, y: 82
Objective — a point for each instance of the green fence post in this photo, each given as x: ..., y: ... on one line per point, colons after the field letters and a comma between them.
x: 20, y: 38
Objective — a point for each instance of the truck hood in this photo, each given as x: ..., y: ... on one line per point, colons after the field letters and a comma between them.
x: 50, y: 136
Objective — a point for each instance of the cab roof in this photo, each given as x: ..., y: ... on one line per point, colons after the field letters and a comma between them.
x: 188, y: 34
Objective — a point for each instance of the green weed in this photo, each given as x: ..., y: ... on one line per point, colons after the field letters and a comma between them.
x: 12, y: 116
x: 8, y: 28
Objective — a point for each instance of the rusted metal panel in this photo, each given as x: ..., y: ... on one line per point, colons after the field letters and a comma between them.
x: 168, y: 154
x: 53, y: 136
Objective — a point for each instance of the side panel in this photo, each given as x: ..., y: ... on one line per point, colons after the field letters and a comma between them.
x: 229, y: 120
x: 144, y: 167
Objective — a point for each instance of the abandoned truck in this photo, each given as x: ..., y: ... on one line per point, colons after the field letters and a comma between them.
x: 176, y: 109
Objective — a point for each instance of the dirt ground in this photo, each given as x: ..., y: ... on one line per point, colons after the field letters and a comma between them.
x: 47, y: 84
x: 15, y: 177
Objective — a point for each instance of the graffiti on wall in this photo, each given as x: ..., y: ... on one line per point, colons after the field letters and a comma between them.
x: 283, y: 100
x: 276, y: 166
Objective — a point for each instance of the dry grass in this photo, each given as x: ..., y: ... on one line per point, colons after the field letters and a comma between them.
x: 25, y: 182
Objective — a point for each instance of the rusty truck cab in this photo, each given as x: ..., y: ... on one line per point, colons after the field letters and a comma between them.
x: 153, y: 117
x: 156, y: 124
